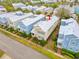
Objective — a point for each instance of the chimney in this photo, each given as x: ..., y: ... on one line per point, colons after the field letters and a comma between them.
x: 49, y: 17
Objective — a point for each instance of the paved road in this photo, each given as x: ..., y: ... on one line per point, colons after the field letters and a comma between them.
x: 17, y: 50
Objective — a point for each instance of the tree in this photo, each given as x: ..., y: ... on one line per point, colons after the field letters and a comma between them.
x: 47, y: 5
x: 77, y: 18
x: 55, y: 5
x: 76, y: 1
x: 63, y: 13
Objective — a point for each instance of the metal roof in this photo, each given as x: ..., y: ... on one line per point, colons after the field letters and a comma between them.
x: 70, y: 27
x: 31, y: 20
x: 69, y: 31
x: 19, y: 5
x: 46, y: 25
x: 15, y: 16
x: 2, y: 8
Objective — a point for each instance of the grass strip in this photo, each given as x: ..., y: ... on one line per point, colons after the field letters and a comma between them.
x: 36, y: 47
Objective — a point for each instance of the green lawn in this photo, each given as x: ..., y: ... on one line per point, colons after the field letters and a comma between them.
x: 36, y: 47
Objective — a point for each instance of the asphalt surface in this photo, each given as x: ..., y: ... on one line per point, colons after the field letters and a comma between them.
x: 17, y: 50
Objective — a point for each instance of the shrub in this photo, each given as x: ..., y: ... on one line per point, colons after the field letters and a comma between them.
x: 38, y: 12
x: 8, y: 6
x: 18, y: 9
x: 11, y: 29
x: 53, y: 5
x: 23, y: 34
x: 29, y: 3
x: 76, y: 55
x: 35, y: 40
x: 29, y: 35
x: 47, y: 5
x: 68, y: 53
x: 27, y: 11
x: 42, y: 42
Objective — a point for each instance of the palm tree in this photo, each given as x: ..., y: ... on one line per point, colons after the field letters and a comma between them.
x: 63, y: 13
x: 76, y: 1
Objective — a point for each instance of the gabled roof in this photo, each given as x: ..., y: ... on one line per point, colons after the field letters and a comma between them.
x: 48, y: 8
x: 71, y: 27
x: 46, y: 25
x: 2, y: 8
x: 32, y: 19
x: 15, y: 16
x: 3, y: 20
x: 19, y: 5
x: 35, y: 1
x: 40, y: 8
x: 29, y: 7
x: 49, y: 1
x: 77, y: 9
x: 19, y: 16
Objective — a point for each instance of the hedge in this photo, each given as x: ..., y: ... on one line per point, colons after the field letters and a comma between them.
x: 68, y: 53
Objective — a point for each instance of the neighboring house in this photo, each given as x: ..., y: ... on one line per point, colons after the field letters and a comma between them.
x: 12, y: 19
x: 72, y: 9
x: 41, y: 9
x: 35, y: 1
x: 29, y: 7
x: 43, y: 29
x: 49, y: 1
x: 32, y: 8
x: 19, y: 5
x: 68, y: 37
x: 54, y: 1
x: 26, y: 25
x: 2, y: 10
x: 4, y: 18
x: 77, y: 9
x: 17, y: 17
x: 48, y: 10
